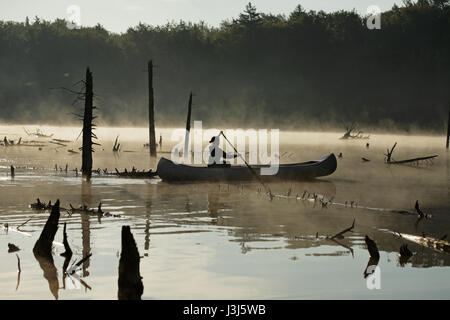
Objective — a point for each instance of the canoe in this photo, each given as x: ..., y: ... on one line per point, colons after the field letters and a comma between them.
x: 169, y: 171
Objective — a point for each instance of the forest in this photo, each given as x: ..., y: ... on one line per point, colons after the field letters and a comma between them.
x: 299, y: 71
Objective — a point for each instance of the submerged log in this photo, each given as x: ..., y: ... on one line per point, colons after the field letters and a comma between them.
x: 389, y: 159
x: 130, y: 280
x: 43, y: 246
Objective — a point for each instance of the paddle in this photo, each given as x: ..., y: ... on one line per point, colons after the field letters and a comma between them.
x: 250, y: 168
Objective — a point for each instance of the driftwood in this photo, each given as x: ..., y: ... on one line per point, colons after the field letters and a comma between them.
x: 38, y: 133
x: 61, y: 140
x: 390, y: 160
x: 135, y: 173
x: 85, y: 210
x: 349, y: 133
x: 130, y: 280
x: 38, y: 205
x: 58, y: 143
x: 340, y: 234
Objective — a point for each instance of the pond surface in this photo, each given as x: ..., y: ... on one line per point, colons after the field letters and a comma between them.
x: 229, y: 241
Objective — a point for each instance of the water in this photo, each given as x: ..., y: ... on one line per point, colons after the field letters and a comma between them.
x: 228, y: 241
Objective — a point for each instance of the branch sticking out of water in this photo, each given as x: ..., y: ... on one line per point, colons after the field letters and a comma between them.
x: 340, y: 234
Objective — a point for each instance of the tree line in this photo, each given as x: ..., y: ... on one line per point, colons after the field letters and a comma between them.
x: 297, y: 71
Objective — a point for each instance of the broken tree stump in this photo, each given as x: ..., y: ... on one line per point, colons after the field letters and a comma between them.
x: 130, y: 280
x: 43, y: 247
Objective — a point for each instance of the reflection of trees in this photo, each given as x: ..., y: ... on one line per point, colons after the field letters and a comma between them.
x: 130, y: 280
x: 86, y: 199
x: 147, y: 227
x: 50, y: 273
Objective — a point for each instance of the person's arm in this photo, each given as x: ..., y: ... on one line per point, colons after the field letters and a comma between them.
x: 229, y: 155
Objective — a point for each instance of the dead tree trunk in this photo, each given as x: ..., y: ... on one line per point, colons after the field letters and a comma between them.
x: 448, y: 131
x: 130, y: 280
x: 151, y: 111
x: 86, y: 167
x: 188, y: 128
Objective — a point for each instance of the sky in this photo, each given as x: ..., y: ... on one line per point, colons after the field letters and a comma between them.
x: 118, y: 15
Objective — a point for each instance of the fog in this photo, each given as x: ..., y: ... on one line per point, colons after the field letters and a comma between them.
x: 303, y: 71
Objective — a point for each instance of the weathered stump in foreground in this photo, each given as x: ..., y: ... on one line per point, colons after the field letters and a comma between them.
x: 43, y: 250
x: 43, y: 246
x: 130, y: 280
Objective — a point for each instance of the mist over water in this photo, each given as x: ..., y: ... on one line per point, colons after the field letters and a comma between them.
x: 219, y: 241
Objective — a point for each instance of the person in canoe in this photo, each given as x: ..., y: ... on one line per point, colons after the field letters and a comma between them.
x: 216, y: 154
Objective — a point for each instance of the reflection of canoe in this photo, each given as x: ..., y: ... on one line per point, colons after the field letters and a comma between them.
x: 438, y: 245
x: 170, y: 171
